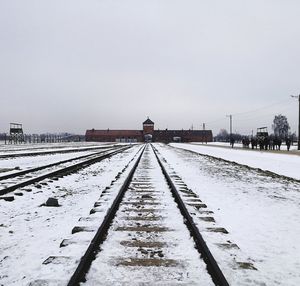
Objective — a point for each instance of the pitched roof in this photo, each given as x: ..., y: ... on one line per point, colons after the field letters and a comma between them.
x: 148, y: 121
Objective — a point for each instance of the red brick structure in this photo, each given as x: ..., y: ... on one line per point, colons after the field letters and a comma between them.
x: 149, y: 134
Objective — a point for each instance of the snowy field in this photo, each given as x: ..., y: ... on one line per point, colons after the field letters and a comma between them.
x: 281, y: 164
x: 240, y: 145
x: 260, y: 211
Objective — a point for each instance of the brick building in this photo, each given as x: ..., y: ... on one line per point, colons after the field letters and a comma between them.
x: 149, y: 134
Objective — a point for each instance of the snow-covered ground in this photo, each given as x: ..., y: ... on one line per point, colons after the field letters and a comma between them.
x: 282, y: 164
x: 42, y: 146
x: 260, y: 212
x: 15, y: 164
x: 30, y: 233
x: 35, y: 149
x: 23, y: 163
x: 240, y: 145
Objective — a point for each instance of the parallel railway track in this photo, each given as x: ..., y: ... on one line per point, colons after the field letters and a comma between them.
x: 17, y: 180
x: 34, y: 169
x: 40, y: 153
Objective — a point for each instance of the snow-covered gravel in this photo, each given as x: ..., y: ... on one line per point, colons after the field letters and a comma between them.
x: 261, y: 213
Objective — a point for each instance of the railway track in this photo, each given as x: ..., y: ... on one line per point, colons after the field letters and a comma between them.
x: 145, y: 236
x: 14, y: 181
x: 40, y: 146
x: 63, y: 151
x: 34, y: 169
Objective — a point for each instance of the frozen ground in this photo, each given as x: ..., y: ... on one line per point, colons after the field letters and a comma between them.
x: 261, y: 213
x: 282, y: 164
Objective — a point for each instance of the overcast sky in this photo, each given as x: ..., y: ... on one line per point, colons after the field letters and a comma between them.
x: 76, y: 65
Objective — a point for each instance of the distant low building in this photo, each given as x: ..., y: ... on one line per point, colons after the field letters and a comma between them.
x: 148, y: 134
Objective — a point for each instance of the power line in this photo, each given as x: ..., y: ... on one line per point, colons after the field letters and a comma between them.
x: 262, y: 108
x: 251, y: 111
x: 264, y: 115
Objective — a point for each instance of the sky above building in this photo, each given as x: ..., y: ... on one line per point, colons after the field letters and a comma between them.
x: 74, y: 65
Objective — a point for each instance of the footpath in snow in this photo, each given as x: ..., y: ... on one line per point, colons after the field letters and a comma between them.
x: 281, y: 164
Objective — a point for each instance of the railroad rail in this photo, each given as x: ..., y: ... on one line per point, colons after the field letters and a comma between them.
x: 31, y: 170
x: 28, y: 154
x: 41, y: 147
x: 87, y: 161
x: 148, y: 226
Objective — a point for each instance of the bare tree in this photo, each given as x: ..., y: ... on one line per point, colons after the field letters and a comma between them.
x: 281, y: 126
x: 222, y: 136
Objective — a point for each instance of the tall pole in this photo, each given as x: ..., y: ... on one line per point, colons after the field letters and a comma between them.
x: 230, y: 136
x: 299, y: 123
x: 230, y: 125
x: 298, y: 120
x: 230, y: 117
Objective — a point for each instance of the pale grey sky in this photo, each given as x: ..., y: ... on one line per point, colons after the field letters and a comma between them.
x: 75, y: 65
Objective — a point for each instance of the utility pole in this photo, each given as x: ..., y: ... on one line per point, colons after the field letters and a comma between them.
x: 203, y: 126
x: 295, y: 96
x: 230, y: 116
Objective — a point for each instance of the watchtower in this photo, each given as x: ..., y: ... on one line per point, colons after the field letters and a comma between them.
x: 16, y: 133
x: 148, y: 126
x: 148, y: 130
